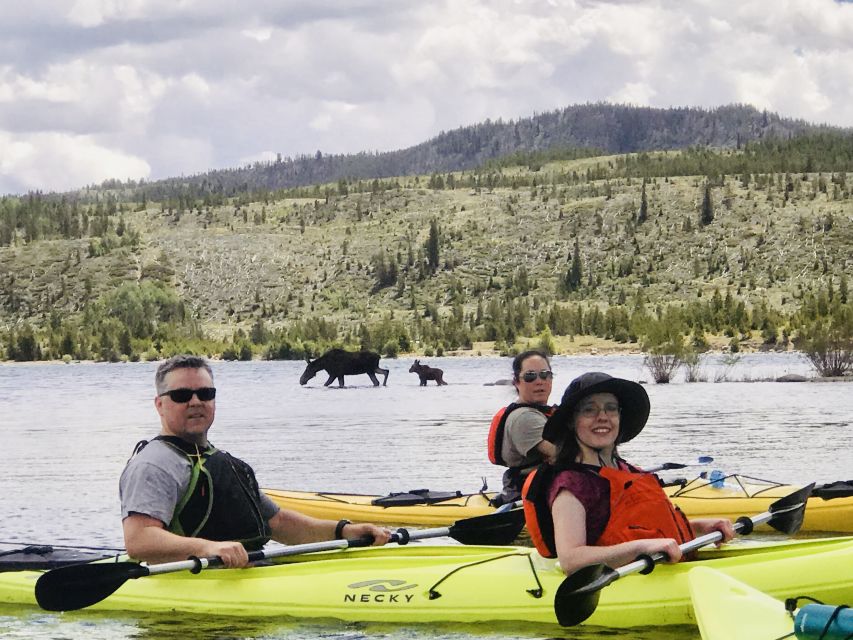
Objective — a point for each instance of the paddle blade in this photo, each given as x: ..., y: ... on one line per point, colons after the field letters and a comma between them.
x: 577, y: 596
x: 495, y: 528
x: 788, y: 512
x: 82, y: 585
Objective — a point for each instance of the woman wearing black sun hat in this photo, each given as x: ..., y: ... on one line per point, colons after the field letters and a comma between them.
x: 592, y: 506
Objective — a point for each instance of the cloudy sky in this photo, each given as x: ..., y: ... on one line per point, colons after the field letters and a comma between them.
x: 96, y: 89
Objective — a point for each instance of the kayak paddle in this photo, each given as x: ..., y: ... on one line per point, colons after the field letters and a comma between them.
x: 78, y: 586
x: 666, y: 466
x: 577, y: 596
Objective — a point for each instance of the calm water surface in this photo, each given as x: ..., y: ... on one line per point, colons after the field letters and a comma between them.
x: 67, y: 431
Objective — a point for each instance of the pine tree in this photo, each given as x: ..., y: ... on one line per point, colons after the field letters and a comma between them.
x: 572, y: 280
x: 644, y: 206
x: 432, y: 247
x: 707, y: 216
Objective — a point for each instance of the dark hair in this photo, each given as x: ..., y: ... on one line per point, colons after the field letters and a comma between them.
x: 183, y: 361
x: 524, y: 355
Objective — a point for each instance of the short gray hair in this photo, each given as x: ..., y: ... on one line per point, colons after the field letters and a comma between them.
x: 183, y: 361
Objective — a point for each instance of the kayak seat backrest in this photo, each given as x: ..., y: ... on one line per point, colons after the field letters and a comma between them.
x: 838, y: 489
x: 416, y: 496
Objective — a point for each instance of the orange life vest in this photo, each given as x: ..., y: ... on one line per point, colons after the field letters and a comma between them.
x: 639, y: 508
x: 495, y: 440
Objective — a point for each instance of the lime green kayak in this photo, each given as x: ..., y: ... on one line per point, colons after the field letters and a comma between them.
x: 456, y: 583
x: 728, y: 609
x: 829, y: 509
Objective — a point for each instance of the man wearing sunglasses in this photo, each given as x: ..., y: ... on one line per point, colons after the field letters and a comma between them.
x: 182, y: 497
x: 515, y: 438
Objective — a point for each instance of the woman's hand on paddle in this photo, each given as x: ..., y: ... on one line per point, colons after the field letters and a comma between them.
x: 667, y: 546
x: 380, y: 535
x: 233, y: 554
x: 704, y: 526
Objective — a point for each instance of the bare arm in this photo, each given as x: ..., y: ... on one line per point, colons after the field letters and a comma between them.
x: 548, y: 451
x: 146, y: 539
x: 573, y: 551
x: 291, y: 527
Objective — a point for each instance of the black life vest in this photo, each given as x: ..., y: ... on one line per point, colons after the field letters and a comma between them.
x: 222, y: 500
x: 497, y: 429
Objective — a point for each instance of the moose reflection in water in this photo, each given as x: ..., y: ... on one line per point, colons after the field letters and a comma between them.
x: 338, y: 363
x: 427, y: 373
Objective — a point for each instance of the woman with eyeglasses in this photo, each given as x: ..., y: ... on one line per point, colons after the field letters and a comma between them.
x: 591, y: 506
x: 515, y: 437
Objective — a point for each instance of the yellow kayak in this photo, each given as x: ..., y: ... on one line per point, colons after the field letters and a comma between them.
x: 421, y: 508
x: 728, y: 609
x: 829, y: 509
x: 457, y: 583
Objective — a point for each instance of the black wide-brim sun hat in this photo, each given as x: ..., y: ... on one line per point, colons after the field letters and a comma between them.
x: 633, y: 402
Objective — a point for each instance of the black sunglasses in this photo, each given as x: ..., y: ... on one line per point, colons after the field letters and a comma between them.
x: 185, y: 395
x: 530, y: 376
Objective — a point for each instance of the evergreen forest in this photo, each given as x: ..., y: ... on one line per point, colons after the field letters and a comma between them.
x: 671, y: 251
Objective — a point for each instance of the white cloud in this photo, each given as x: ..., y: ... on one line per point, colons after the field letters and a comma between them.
x: 62, y: 161
x: 262, y: 156
x: 259, y: 35
x: 189, y: 85
x: 637, y: 93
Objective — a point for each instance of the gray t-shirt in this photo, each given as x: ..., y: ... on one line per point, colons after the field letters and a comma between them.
x: 156, y: 478
x: 522, y: 433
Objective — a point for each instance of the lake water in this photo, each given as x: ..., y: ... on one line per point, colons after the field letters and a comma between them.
x: 67, y: 431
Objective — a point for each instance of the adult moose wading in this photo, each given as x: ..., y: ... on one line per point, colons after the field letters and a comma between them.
x: 427, y: 373
x: 339, y: 363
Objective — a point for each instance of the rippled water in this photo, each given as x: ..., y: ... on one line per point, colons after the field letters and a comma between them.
x: 67, y: 431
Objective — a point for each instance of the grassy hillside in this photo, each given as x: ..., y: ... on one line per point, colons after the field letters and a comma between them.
x: 506, y: 240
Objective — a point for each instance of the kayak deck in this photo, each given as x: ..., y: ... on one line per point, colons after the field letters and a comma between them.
x: 454, y: 583
x: 736, y: 496
x: 361, y: 508
x: 728, y: 609
x: 732, y: 497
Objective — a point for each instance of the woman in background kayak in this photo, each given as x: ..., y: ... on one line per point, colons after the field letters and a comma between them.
x: 515, y: 437
x: 591, y: 506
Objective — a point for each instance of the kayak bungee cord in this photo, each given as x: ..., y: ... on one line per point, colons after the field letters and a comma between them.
x: 536, y: 591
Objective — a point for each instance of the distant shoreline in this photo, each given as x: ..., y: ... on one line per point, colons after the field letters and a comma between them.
x: 583, y: 351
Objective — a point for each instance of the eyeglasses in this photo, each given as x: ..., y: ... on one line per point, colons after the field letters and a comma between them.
x: 530, y: 376
x: 204, y: 394
x: 591, y: 410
